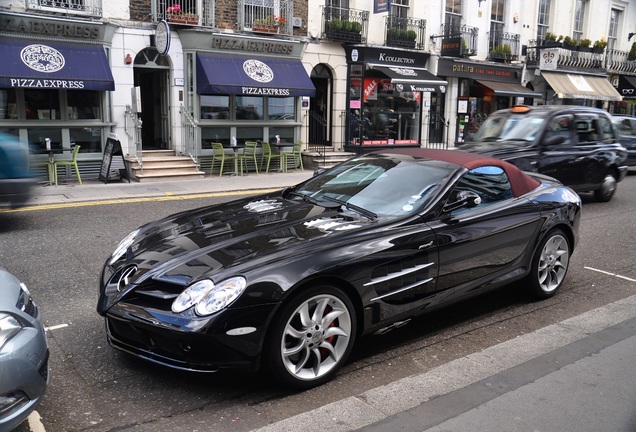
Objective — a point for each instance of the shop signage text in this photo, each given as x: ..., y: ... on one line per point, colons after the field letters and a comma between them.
x: 255, y: 46
x: 263, y: 91
x: 45, y: 28
x: 384, y: 57
x: 477, y: 70
x: 46, y: 83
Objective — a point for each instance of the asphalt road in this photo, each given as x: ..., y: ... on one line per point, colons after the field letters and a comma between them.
x: 59, y: 254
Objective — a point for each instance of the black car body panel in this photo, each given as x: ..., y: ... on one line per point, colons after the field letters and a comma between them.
x: 392, y: 261
x: 576, y: 145
x: 626, y: 129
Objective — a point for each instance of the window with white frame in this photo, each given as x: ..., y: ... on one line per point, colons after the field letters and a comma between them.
x: 543, y: 20
x: 579, y: 19
x: 615, y: 18
x: 496, y: 19
x: 400, y: 8
x: 453, y: 16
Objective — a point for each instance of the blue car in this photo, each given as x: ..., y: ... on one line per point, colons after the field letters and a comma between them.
x: 24, y: 353
x: 16, y: 180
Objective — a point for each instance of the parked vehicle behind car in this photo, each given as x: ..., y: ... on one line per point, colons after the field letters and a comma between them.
x: 24, y: 353
x: 626, y: 129
x: 291, y: 279
x: 576, y: 145
x: 16, y: 180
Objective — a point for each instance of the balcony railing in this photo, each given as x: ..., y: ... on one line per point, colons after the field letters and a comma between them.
x: 181, y: 12
x: 405, y: 32
x: 617, y: 62
x: 467, y: 37
x: 345, y: 25
x: 503, y: 46
x: 275, y: 17
x: 568, y: 58
x: 89, y: 8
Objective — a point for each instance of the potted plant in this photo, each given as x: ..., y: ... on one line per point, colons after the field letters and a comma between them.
x: 599, y: 46
x: 584, y: 45
x: 269, y: 24
x: 632, y: 53
x: 569, y: 43
x: 551, y: 40
x: 344, y: 30
x: 401, y: 38
x: 175, y: 14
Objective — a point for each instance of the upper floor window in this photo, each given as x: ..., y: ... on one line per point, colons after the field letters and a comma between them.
x: 453, y: 16
x: 615, y: 17
x: 497, y: 17
x: 543, y: 20
x: 79, y: 7
x: 400, y: 8
x: 579, y: 19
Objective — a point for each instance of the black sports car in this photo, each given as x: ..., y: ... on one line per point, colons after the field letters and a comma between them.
x: 289, y: 280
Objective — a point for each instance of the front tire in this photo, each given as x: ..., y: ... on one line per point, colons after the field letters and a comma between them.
x: 550, y: 264
x: 311, y: 337
x: 607, y: 189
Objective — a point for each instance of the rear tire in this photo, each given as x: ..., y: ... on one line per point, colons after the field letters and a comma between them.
x: 607, y: 189
x: 550, y: 264
x: 311, y: 337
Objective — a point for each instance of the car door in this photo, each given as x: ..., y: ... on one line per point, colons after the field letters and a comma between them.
x: 488, y: 241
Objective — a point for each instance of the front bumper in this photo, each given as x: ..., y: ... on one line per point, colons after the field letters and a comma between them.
x: 231, y: 338
x: 622, y: 172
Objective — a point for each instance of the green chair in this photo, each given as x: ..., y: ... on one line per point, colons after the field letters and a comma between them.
x: 49, y: 169
x: 72, y: 162
x: 269, y: 155
x: 221, y: 157
x: 248, y: 154
x: 295, y: 156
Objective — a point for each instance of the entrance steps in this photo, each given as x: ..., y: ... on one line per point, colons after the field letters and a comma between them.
x: 328, y: 159
x: 161, y: 165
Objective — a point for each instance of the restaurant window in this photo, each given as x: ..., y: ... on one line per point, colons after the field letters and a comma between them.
x: 281, y: 108
x: 543, y: 20
x: 249, y: 108
x: 42, y: 104
x: 216, y: 107
x: 218, y: 134
x: 249, y: 134
x: 83, y: 105
x: 8, y: 104
x: 579, y: 19
x: 88, y: 138
x: 285, y: 134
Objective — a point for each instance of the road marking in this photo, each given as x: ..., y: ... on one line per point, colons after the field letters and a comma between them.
x: 611, y: 274
x: 56, y: 327
x: 167, y: 197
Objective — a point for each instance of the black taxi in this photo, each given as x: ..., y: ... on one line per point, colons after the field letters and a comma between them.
x: 577, y: 145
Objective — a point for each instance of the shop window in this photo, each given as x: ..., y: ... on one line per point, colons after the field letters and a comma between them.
x: 42, y: 104
x: 215, y: 134
x: 37, y: 138
x: 8, y: 104
x: 89, y: 139
x: 281, y: 108
x: 285, y: 134
x: 216, y: 107
x: 249, y: 134
x: 83, y: 105
x: 249, y: 108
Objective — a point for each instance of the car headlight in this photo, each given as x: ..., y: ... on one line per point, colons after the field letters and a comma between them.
x: 123, y: 246
x: 209, y: 298
x: 9, y: 326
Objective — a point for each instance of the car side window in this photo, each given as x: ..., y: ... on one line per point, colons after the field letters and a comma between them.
x: 489, y: 182
x: 587, y: 129
x: 607, y: 132
x: 561, y: 126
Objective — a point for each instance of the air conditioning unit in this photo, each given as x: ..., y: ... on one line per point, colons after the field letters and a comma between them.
x: 297, y: 21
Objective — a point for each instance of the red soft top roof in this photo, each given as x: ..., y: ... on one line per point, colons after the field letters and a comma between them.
x: 520, y: 182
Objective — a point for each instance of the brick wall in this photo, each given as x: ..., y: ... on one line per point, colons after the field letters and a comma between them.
x: 140, y: 10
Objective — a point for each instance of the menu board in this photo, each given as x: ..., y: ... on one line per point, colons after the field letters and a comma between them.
x: 112, y: 152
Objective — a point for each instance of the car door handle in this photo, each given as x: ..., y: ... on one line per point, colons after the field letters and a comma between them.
x: 427, y: 245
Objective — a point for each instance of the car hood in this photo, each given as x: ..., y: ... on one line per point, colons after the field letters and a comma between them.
x: 233, y: 238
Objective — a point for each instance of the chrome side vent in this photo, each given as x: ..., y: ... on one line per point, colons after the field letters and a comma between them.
x: 263, y: 206
x: 332, y: 224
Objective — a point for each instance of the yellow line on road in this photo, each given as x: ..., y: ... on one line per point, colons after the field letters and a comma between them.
x: 167, y: 197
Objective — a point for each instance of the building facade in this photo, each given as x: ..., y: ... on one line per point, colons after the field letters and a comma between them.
x: 354, y: 75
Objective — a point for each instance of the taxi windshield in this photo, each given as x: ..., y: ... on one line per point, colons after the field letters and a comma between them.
x: 510, y: 126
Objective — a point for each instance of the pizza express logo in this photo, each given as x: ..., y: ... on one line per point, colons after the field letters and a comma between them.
x: 258, y: 71
x: 42, y: 58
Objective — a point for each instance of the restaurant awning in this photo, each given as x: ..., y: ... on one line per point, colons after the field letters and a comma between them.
x: 627, y: 86
x: 54, y: 65
x: 263, y: 76
x: 509, y: 89
x: 576, y: 86
x: 411, y: 78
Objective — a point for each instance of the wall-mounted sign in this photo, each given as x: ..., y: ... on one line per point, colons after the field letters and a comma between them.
x: 162, y: 37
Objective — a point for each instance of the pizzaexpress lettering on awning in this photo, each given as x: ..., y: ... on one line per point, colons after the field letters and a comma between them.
x: 264, y: 91
x: 46, y: 83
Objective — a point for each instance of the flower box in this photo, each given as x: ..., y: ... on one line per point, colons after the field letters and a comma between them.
x: 264, y: 28
x: 186, y: 19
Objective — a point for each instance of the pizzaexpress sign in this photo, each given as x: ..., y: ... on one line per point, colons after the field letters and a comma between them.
x: 44, y: 59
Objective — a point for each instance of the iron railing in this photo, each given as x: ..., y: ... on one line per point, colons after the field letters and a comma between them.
x: 567, y: 58
x: 503, y: 46
x: 266, y: 16
x: 132, y: 124
x: 468, y: 36
x: 345, y: 25
x: 92, y: 8
x: 190, y: 135
x: 405, y: 32
x: 618, y: 62
x: 184, y: 12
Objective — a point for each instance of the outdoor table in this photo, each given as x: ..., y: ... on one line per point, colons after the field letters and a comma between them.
x: 236, y: 147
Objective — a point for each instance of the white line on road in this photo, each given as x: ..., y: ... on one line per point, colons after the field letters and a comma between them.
x: 611, y: 274
x: 56, y: 327
x: 34, y: 422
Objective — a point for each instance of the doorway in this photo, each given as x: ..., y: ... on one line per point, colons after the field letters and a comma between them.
x: 320, y: 107
x: 152, y: 76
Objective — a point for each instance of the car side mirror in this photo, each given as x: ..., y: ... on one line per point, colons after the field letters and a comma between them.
x: 468, y: 199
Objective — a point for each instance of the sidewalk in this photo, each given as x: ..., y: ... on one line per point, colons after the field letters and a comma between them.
x: 94, y: 190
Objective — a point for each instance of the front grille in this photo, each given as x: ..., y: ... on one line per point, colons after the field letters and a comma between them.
x: 30, y: 308
x: 154, y: 294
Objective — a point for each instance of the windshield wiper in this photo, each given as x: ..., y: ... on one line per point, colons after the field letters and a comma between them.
x: 364, y: 212
x: 312, y: 200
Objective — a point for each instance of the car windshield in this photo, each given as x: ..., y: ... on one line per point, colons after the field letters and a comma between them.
x: 378, y: 185
x: 508, y: 126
